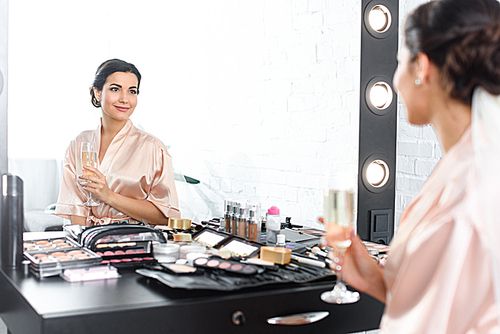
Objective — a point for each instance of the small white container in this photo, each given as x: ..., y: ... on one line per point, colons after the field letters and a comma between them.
x: 166, y: 253
x: 184, y: 250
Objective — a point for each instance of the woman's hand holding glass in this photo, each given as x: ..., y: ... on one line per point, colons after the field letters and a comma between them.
x: 96, y: 184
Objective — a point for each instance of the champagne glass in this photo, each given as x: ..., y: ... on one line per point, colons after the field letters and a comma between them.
x: 339, y: 213
x: 88, y: 158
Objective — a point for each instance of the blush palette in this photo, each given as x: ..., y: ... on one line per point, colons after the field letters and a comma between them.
x: 126, y: 255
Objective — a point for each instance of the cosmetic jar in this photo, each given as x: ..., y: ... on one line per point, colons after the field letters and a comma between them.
x: 179, y: 223
x: 166, y: 253
x: 184, y: 250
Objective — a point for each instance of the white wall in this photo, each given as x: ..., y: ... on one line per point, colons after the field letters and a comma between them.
x: 257, y: 99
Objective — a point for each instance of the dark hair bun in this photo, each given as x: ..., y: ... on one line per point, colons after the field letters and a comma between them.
x: 462, y: 37
x: 474, y: 61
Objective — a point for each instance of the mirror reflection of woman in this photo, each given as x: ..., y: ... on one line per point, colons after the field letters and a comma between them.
x: 135, y: 179
x: 443, y: 270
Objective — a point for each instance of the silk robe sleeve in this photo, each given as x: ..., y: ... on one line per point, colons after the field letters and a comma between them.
x: 163, y: 192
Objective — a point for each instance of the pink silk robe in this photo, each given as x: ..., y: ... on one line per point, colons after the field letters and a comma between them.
x: 136, y: 165
x: 438, y: 275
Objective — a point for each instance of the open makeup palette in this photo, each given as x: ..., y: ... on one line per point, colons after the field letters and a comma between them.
x: 49, y: 257
x: 237, y: 246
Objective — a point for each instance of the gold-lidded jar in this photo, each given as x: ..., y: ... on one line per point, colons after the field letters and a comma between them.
x: 179, y: 223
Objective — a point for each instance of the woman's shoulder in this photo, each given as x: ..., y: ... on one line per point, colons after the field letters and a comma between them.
x: 148, y: 139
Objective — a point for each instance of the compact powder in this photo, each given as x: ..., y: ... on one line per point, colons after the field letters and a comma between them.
x: 130, y: 251
x: 225, y: 265
x: 181, y: 268
x: 236, y: 267
x: 249, y: 269
x: 200, y: 261
x: 58, y: 241
x: 109, y: 253
x: 119, y: 252
x: 213, y: 263
x: 41, y: 242
x: 115, y: 261
x: 126, y: 260
x: 137, y: 259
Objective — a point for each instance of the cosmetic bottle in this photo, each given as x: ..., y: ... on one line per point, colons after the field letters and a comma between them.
x: 242, y: 221
x: 227, y: 216
x: 280, y: 240
x: 273, y: 225
x: 253, y: 227
x: 234, y: 218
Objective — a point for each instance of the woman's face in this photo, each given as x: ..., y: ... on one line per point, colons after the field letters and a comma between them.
x: 119, y: 96
x: 411, y: 94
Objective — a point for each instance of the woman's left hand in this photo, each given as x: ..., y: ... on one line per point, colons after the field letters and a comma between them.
x: 97, y: 185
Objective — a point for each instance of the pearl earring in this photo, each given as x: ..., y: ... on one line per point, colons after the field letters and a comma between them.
x: 417, y: 82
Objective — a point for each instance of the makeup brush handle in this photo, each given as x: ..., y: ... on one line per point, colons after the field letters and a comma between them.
x: 310, y: 262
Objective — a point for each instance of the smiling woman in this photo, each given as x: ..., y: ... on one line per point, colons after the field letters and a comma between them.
x: 140, y: 191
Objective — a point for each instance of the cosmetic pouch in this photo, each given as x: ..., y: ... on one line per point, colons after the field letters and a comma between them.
x: 116, y: 233
x: 221, y: 280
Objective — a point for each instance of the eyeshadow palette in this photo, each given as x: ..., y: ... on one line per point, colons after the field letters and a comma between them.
x: 210, y: 237
x: 51, y: 262
x: 49, y: 244
x: 227, y: 266
x: 236, y: 245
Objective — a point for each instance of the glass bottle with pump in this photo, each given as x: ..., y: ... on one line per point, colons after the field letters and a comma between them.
x: 227, y: 216
x: 242, y: 221
x: 234, y: 218
x: 253, y: 227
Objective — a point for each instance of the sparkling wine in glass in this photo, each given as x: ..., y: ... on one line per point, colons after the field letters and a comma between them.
x: 88, y: 158
x: 339, y: 213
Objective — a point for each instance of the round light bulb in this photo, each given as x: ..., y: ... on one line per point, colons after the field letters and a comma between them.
x: 377, y: 173
x: 381, y: 95
x: 380, y: 19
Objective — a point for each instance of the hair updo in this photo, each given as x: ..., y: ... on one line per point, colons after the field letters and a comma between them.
x: 462, y: 38
x: 105, y: 70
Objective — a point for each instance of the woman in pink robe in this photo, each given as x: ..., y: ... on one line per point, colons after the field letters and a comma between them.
x: 442, y: 273
x: 135, y: 179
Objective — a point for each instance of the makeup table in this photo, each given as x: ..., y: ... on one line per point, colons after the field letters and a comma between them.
x: 136, y: 304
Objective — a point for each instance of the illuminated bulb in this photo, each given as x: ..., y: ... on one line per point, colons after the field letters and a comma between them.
x: 379, y: 18
x: 377, y: 173
x: 381, y: 95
